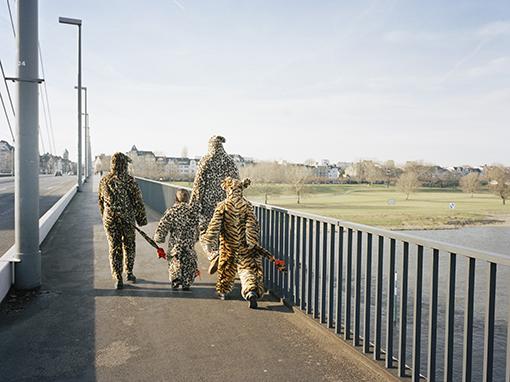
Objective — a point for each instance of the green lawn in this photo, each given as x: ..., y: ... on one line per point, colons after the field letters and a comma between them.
x: 428, y: 208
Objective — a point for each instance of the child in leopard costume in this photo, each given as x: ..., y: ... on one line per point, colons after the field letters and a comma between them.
x: 235, y: 224
x: 180, y: 222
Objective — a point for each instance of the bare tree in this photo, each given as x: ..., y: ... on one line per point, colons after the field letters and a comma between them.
x: 298, y: 176
x: 499, y: 181
x: 408, y: 183
x: 390, y: 172
x: 470, y: 183
x: 264, y: 176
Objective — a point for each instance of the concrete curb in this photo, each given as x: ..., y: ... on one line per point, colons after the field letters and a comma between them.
x: 46, y: 222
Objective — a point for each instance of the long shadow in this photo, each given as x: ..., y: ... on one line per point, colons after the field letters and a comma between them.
x: 51, y: 335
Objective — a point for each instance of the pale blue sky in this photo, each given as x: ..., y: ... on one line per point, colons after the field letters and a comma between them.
x: 388, y: 79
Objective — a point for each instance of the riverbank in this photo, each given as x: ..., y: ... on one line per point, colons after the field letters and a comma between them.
x: 429, y: 208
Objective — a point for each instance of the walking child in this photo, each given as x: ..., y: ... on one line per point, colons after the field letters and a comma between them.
x: 180, y: 223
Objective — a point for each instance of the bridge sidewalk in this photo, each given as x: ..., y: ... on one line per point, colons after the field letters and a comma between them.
x: 77, y: 327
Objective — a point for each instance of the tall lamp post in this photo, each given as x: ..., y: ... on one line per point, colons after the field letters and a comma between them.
x: 77, y: 22
x: 86, y: 164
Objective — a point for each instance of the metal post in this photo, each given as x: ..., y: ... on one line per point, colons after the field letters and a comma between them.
x: 26, y: 201
x: 79, y: 110
x: 76, y: 22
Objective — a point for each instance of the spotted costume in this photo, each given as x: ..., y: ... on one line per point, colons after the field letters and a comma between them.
x: 121, y: 206
x: 235, y: 224
x: 180, y: 222
x: 215, y: 166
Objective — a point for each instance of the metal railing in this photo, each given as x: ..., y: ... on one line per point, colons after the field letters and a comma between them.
x: 336, y: 274
x: 357, y: 281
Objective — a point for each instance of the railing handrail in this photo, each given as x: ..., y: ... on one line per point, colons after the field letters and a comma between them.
x: 478, y: 254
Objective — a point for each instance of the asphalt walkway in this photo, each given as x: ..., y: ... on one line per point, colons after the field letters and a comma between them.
x: 78, y: 328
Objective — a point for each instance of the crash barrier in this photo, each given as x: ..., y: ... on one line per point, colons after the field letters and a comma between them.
x: 158, y: 195
x: 46, y: 222
x: 388, y: 280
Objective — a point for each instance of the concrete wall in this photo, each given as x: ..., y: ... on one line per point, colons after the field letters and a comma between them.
x: 158, y: 195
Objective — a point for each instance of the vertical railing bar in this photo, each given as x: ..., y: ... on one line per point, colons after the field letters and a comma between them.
x: 316, y: 269
x: 348, y: 276
x: 304, y: 265
x: 338, y: 286
x: 298, y: 263
x: 265, y: 214
x: 390, y: 305
x: 282, y: 253
x: 378, y: 300
x: 417, y: 314
x: 488, y: 354
x: 331, y: 276
x: 357, y: 289
x: 290, y: 258
x: 368, y: 288
x: 276, y: 231
x: 324, y: 273
x: 467, y: 357
x: 403, y: 311
x: 450, y: 320
x: 309, y: 264
x: 432, y: 341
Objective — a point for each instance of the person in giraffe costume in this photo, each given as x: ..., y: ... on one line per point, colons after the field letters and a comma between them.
x: 207, y: 192
x: 121, y: 206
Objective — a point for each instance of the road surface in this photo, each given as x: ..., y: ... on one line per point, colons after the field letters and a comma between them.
x: 51, y: 188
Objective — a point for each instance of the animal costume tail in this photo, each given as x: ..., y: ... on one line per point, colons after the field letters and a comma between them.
x: 161, y: 251
x: 280, y: 264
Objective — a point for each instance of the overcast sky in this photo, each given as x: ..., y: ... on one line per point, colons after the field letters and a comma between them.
x: 388, y: 79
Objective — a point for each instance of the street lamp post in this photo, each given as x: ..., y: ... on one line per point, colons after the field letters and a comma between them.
x: 77, y: 22
x: 86, y: 164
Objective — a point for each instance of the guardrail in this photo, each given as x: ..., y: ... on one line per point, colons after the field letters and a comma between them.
x: 332, y: 276
x: 46, y: 222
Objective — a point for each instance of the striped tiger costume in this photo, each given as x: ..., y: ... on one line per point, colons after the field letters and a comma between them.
x: 235, y: 224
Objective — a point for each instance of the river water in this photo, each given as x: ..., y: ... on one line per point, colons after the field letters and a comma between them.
x: 493, y: 239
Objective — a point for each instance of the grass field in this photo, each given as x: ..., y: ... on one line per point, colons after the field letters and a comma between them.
x: 428, y: 208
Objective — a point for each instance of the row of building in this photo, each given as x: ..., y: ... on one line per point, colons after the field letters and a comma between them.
x: 149, y: 164
x: 48, y: 163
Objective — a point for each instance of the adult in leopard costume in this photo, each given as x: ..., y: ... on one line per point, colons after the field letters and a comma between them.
x: 121, y: 206
x: 215, y: 166
x: 180, y: 222
x: 235, y: 223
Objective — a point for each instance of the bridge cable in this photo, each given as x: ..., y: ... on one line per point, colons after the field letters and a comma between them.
x: 7, y: 116
x: 50, y: 132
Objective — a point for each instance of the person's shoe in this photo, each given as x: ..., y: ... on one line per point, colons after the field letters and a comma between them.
x: 176, y: 284
x: 252, y: 300
x: 185, y: 288
x: 119, y: 284
x: 131, y: 277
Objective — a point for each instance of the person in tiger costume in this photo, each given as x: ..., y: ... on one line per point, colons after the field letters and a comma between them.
x: 207, y: 192
x: 121, y: 206
x: 235, y: 224
x: 180, y: 222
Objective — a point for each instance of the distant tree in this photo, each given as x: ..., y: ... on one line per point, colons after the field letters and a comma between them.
x: 390, y: 172
x: 373, y: 172
x: 298, y: 177
x: 310, y: 162
x: 184, y: 152
x: 470, y: 183
x: 408, y: 183
x: 499, y: 181
x: 264, y: 176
